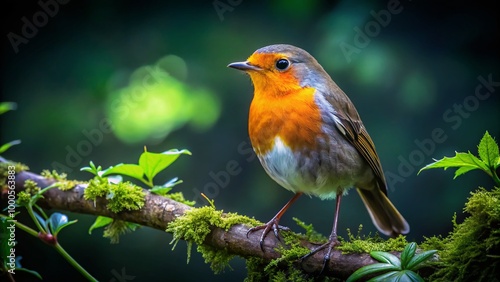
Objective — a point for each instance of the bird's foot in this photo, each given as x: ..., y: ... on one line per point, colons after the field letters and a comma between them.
x: 271, y: 225
x: 332, y: 242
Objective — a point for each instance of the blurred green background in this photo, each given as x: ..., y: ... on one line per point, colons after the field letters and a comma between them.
x: 157, y: 72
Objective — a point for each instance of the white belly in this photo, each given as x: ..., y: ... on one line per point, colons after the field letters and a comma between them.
x: 287, y: 169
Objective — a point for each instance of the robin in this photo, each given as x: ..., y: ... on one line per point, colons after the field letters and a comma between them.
x: 310, y: 139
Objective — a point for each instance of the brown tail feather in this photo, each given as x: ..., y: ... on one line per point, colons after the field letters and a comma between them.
x: 384, y: 215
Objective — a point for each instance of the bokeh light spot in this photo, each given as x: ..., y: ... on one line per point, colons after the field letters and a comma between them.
x: 155, y: 103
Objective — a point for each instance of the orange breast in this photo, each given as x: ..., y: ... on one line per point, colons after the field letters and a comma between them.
x: 292, y: 116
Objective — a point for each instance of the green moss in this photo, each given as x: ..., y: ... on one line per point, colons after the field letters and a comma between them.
x: 179, y: 197
x: 30, y: 189
x: 23, y: 198
x: 197, y: 223
x: 291, y: 274
x: 285, y: 268
x: 218, y: 259
x: 290, y: 251
x: 311, y: 234
x: 254, y: 269
x: 368, y: 243
x: 5, y: 168
x: 121, y: 196
x: 434, y: 243
x: 98, y: 187
x: 117, y: 228
x: 63, y: 183
x: 471, y: 252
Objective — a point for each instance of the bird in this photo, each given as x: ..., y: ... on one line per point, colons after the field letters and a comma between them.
x: 310, y: 139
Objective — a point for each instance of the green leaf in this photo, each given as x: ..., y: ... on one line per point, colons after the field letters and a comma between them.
x: 459, y: 160
x: 131, y: 170
x: 6, y: 146
x: 160, y: 190
x: 7, y: 106
x: 88, y: 169
x: 417, y: 261
x: 386, y: 257
x: 153, y: 163
x: 463, y: 170
x: 32, y: 272
x: 163, y: 190
x: 42, y: 222
x: 407, y: 254
x: 408, y: 275
x: 20, y: 268
x: 99, y: 222
x: 488, y: 150
x: 371, y: 269
x: 389, y: 276
x: 92, y: 169
x: 57, y: 221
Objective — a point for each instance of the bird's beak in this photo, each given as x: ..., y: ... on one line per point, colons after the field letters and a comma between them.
x: 244, y: 66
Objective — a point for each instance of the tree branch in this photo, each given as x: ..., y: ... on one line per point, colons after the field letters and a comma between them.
x: 159, y: 211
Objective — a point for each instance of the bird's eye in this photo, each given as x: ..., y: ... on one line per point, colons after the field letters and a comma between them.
x: 282, y: 64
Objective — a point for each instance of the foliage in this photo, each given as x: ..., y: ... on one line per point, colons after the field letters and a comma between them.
x: 125, y: 195
x: 8, y: 259
x: 119, y: 195
x: 5, y: 107
x: 470, y: 252
x: 395, y: 269
x: 150, y: 164
x: 48, y: 227
x: 488, y: 161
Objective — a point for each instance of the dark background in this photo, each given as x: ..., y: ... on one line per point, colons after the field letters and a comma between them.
x: 82, y: 66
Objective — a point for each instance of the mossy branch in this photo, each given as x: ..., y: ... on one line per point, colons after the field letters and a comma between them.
x: 159, y: 211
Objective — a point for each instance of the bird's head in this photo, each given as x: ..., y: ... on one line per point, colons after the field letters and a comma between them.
x: 279, y: 69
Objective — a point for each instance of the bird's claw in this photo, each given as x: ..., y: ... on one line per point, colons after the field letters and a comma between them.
x: 272, y: 224
x: 326, y: 259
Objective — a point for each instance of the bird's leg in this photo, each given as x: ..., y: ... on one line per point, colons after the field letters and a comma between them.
x: 332, y: 240
x: 273, y: 223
